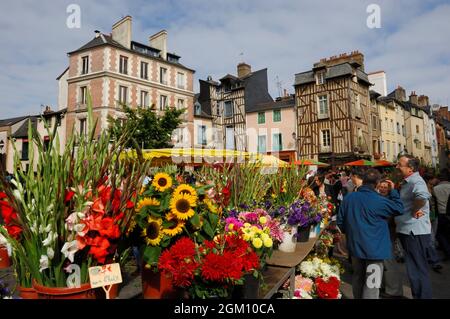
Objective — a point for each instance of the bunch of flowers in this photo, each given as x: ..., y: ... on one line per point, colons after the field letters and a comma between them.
x: 328, y: 288
x: 211, y: 268
x: 324, y: 243
x: 9, y: 216
x: 5, y: 292
x: 304, y: 288
x: 167, y: 209
x: 71, y: 207
x: 299, y: 214
x: 315, y: 267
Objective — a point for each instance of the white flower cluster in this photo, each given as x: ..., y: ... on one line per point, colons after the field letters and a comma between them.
x: 318, y: 268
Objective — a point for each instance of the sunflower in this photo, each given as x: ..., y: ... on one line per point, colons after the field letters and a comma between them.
x: 185, y: 189
x: 174, y: 230
x: 153, y: 232
x: 213, y: 208
x: 181, y: 206
x: 162, y: 182
x: 147, y: 202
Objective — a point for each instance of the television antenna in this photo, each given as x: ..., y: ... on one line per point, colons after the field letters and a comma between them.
x: 279, y: 83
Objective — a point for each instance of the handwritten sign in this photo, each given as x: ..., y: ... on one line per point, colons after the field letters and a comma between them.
x: 106, y: 275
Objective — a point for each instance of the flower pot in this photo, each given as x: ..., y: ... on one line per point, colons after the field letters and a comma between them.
x: 289, y: 243
x: 83, y: 292
x: 303, y: 234
x: 5, y: 262
x: 250, y: 288
x: 159, y: 286
x: 27, y: 293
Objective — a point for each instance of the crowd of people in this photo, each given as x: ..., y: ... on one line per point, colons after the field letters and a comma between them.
x: 385, y: 223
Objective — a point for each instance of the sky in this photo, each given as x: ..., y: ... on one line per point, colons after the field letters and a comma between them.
x: 412, y: 44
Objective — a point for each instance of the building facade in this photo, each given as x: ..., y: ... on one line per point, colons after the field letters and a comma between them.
x: 333, y: 109
x: 115, y: 70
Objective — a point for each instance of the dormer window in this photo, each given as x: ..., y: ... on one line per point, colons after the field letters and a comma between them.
x: 320, y: 78
x: 198, y: 109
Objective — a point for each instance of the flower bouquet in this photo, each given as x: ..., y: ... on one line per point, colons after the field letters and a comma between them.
x: 70, y: 212
x: 210, y: 269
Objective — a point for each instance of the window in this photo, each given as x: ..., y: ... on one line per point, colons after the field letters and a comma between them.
x: 218, y: 109
x: 360, y: 137
x: 85, y: 67
x: 261, y: 117
x: 144, y: 70
x: 83, y: 95
x: 277, y: 115
x: 180, y: 80
x: 320, y: 78
x: 417, y: 129
x: 123, y: 90
x: 261, y: 143
x: 24, y: 150
x: 197, y: 109
x: 277, y: 143
x: 180, y: 104
x: 323, y: 106
x: 123, y: 65
x: 404, y: 130
x: 374, y: 122
x: 357, y: 102
x: 201, y: 137
x: 228, y: 109
x: 82, y: 126
x: 326, y: 138
x: 163, y: 76
x: 144, y: 99
x: 162, y: 102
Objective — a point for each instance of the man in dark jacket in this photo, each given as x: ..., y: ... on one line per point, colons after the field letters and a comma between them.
x: 363, y: 218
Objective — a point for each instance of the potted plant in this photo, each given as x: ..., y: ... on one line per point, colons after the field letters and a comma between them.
x: 73, y: 206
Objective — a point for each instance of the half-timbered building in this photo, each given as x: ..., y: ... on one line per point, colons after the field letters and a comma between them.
x: 333, y: 109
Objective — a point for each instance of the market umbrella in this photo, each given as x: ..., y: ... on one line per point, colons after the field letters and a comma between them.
x: 360, y: 163
x: 380, y: 163
x: 310, y: 162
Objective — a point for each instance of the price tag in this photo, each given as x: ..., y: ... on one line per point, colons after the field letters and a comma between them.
x: 105, y: 276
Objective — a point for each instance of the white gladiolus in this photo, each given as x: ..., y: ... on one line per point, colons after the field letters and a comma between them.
x: 50, y: 253
x: 3, y: 240
x: 50, y: 239
x: 49, y: 208
x: 43, y: 263
x: 48, y: 228
x: 69, y: 249
x: 17, y: 195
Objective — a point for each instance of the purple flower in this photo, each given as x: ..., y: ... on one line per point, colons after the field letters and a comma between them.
x: 237, y: 224
x: 233, y: 213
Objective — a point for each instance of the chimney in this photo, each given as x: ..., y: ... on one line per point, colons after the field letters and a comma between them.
x: 400, y: 94
x: 413, y: 98
x: 285, y: 93
x: 159, y: 41
x: 243, y: 69
x: 355, y: 58
x: 97, y: 33
x: 121, y: 32
x: 47, y: 109
x: 424, y: 100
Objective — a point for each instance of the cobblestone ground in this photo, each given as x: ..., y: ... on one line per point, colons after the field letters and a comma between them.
x: 440, y: 281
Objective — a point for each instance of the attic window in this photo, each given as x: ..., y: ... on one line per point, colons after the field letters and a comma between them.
x: 198, y: 109
x: 320, y: 78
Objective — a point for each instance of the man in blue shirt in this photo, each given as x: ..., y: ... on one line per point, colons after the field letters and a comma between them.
x: 363, y: 218
x: 414, y: 226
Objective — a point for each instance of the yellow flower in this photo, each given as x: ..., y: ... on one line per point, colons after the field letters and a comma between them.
x: 268, y: 242
x: 185, y: 189
x: 147, y: 202
x: 274, y: 195
x: 230, y: 226
x: 153, y: 232
x: 162, y: 182
x: 142, y: 190
x: 213, y: 208
x: 264, y: 236
x: 247, y: 225
x: 262, y: 220
x: 174, y: 230
x: 181, y: 206
x: 257, y: 243
x: 131, y: 227
x: 247, y: 237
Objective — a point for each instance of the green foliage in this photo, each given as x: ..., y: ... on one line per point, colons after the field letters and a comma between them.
x: 149, y: 131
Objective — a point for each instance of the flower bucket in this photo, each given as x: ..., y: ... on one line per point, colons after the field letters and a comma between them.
x: 303, y: 234
x: 158, y: 286
x: 250, y: 288
x: 289, y: 243
x: 5, y: 262
x: 27, y: 293
x: 83, y: 292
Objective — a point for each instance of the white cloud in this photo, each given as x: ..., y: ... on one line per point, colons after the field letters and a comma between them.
x: 287, y: 37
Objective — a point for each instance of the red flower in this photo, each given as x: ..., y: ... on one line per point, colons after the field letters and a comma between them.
x: 2, y: 195
x: 108, y: 228
x: 250, y: 262
x: 14, y: 231
x: 327, y: 289
x: 99, y: 248
x: 69, y: 196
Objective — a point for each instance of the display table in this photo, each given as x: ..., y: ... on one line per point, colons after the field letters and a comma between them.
x: 281, y: 267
